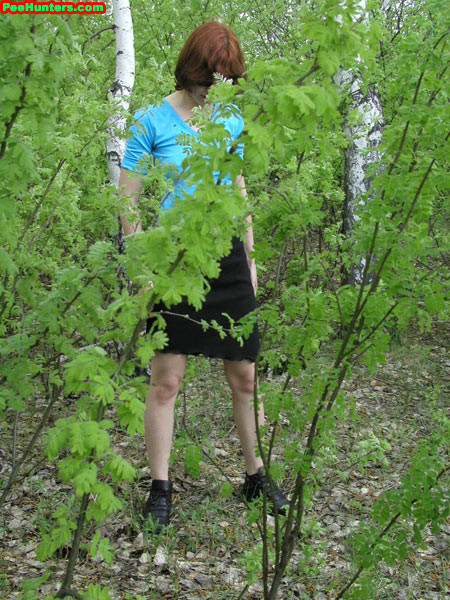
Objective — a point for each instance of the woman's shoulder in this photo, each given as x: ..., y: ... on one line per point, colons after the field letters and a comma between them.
x: 151, y: 120
x: 152, y: 112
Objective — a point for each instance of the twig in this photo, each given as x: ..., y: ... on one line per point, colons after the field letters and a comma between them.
x: 16, y: 112
x: 205, y: 454
x: 39, y: 204
x: 14, y: 441
x: 16, y: 466
x: 27, y: 226
x: 241, y: 595
x: 299, y: 82
x: 94, y: 35
x: 392, y: 522
x: 266, y: 458
x: 65, y: 589
x: 75, y: 548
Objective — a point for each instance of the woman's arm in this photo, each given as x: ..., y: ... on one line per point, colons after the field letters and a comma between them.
x: 249, y: 242
x: 130, y: 187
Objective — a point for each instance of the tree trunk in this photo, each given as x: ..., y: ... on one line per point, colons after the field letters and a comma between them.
x: 120, y: 90
x: 367, y: 133
x: 119, y: 93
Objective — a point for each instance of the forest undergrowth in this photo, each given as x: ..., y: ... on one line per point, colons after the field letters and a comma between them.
x: 206, y: 551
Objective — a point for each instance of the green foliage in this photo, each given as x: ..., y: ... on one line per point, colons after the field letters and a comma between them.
x: 251, y: 560
x: 59, y: 536
x: 102, y: 547
x: 29, y: 585
x: 192, y: 458
x: 64, y: 310
x: 372, y: 449
x: 226, y: 489
x: 130, y: 412
x: 403, y: 513
x: 96, y: 592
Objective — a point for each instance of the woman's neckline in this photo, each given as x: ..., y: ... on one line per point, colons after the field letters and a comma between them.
x: 180, y: 118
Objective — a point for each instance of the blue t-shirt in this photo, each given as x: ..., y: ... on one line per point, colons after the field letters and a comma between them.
x: 156, y: 133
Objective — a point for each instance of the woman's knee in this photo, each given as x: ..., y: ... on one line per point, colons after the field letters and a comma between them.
x: 167, y: 375
x: 244, y: 385
x: 165, y: 388
x: 241, y: 377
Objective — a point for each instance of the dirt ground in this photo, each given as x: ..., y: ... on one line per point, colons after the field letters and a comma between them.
x: 204, y: 554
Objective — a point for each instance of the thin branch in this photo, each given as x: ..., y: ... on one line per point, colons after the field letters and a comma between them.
x: 392, y: 522
x: 263, y: 455
x: 80, y: 153
x: 402, y: 226
x: 418, y: 191
x: 313, y: 69
x: 64, y: 309
x: 39, y: 204
x: 75, y: 548
x: 17, y: 465
x: 241, y: 595
x: 65, y: 589
x: 14, y: 440
x: 96, y: 34
x: 192, y: 437
x: 372, y: 330
x: 16, y: 112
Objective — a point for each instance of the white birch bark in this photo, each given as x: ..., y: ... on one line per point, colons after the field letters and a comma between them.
x: 366, y: 134
x: 120, y: 90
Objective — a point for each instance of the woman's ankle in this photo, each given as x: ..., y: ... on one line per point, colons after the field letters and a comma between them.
x: 254, y: 467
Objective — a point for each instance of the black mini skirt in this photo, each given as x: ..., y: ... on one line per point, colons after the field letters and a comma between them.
x: 231, y: 293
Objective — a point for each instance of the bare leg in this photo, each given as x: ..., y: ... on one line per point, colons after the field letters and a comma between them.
x: 240, y: 376
x: 167, y: 374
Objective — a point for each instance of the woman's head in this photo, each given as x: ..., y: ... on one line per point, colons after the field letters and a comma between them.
x: 211, y: 48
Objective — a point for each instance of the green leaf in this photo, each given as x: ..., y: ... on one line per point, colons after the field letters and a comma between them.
x: 86, y: 478
x: 192, y: 458
x: 104, y: 504
x: 106, y: 550
x: 120, y: 469
x: 96, y: 592
x: 130, y: 411
x: 226, y: 489
x: 59, y: 537
x: 35, y: 583
x: 7, y: 264
x: 58, y: 438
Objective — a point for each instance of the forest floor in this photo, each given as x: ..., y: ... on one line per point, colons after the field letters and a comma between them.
x: 204, y: 554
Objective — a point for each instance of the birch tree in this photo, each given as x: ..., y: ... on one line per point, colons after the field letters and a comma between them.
x: 122, y: 87
x: 60, y: 304
x: 119, y: 92
x: 364, y: 128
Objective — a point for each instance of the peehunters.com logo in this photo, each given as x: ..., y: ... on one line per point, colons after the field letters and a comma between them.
x: 28, y: 8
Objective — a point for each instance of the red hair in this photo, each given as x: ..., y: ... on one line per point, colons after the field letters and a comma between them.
x: 211, y: 48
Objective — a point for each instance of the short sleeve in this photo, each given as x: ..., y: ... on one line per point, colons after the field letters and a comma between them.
x: 139, y: 147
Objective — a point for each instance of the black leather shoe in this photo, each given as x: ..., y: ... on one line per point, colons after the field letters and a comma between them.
x: 254, y: 486
x: 159, y: 503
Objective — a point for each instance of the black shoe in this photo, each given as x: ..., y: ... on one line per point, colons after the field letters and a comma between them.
x: 254, y: 486
x: 159, y: 503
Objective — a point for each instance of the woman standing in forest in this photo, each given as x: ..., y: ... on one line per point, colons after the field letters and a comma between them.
x: 211, y: 48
